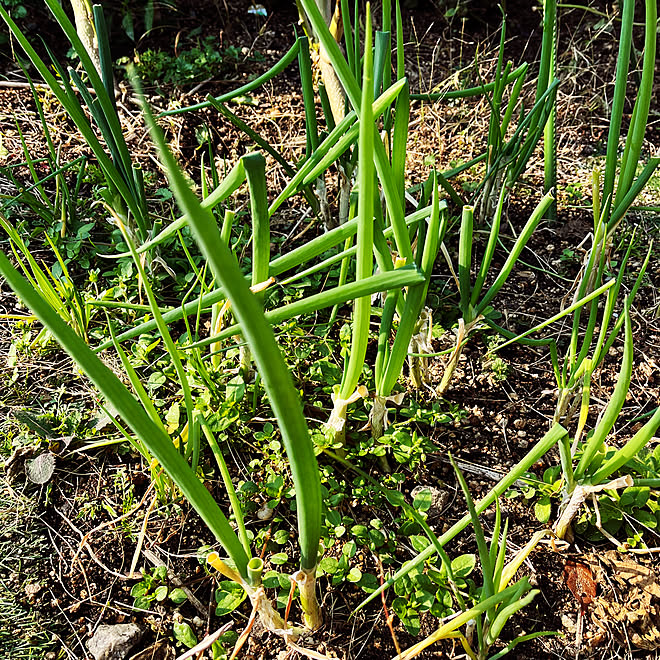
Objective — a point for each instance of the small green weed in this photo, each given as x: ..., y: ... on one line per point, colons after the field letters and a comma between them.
x: 568, y: 255
x: 224, y: 646
x: 540, y: 493
x: 16, y: 8
x: 495, y: 364
x: 632, y: 515
x: 183, y: 633
x: 629, y: 516
x: 154, y: 588
x: 432, y: 414
x: 576, y: 193
x: 430, y: 590
x: 228, y: 596
x: 203, y: 60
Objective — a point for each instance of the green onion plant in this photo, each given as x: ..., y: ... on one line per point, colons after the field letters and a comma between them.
x: 587, y: 348
x: 547, y: 74
x: 509, y: 149
x: 52, y: 210
x: 619, y: 192
x: 574, y: 376
x: 545, y: 444
x: 475, y: 303
x: 381, y: 249
x: 374, y: 165
x: 332, y: 17
x: 74, y: 307
x: 387, y: 167
x: 124, y: 190
x: 586, y: 352
x: 598, y: 462
x: 498, y: 600
x: 150, y: 433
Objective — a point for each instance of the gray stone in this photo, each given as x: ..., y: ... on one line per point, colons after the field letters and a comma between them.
x: 439, y: 499
x: 114, y: 642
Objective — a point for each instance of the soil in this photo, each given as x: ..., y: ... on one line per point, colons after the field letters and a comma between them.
x: 74, y: 573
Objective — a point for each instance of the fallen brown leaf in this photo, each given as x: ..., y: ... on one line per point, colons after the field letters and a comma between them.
x: 580, y: 580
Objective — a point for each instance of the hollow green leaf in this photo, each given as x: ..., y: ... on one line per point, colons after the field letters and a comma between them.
x: 614, y: 406
x: 259, y: 335
x: 629, y: 450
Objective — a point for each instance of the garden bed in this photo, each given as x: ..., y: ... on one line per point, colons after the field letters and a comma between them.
x: 92, y: 544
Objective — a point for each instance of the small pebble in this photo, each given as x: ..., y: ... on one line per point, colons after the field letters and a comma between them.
x: 568, y: 623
